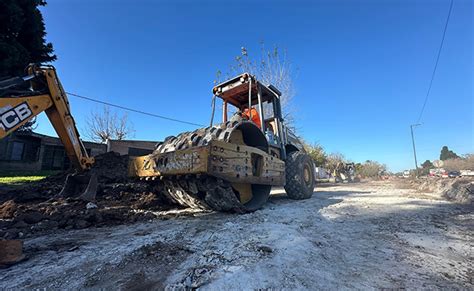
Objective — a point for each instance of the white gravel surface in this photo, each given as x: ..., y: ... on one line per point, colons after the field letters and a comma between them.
x: 348, y: 236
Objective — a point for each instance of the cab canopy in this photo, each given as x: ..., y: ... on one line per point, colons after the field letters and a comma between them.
x: 236, y: 91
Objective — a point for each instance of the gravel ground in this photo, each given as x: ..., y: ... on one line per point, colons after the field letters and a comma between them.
x: 363, y: 236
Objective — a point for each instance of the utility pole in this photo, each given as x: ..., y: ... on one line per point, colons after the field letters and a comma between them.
x: 414, y: 149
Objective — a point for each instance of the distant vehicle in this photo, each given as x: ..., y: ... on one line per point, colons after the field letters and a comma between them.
x: 406, y: 174
x: 464, y: 173
x: 438, y: 172
x: 454, y: 174
x: 321, y: 173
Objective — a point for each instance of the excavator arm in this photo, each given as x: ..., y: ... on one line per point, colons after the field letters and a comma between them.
x: 21, y: 99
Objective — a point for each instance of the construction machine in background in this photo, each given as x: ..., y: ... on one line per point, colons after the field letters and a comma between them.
x: 344, y: 172
x: 232, y: 166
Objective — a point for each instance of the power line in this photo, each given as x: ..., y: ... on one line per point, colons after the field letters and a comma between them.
x: 134, y: 110
x: 436, y: 64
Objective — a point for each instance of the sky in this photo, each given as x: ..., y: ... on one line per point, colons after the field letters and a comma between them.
x: 361, y: 68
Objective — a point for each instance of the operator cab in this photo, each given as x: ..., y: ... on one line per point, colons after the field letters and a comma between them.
x: 250, y: 98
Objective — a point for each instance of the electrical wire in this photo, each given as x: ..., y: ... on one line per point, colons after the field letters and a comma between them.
x: 437, y: 60
x: 134, y: 110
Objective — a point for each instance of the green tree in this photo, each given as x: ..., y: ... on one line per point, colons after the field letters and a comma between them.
x: 358, y: 167
x: 447, y: 154
x: 22, y: 36
x: 317, y: 153
x: 426, y: 166
x: 22, y: 40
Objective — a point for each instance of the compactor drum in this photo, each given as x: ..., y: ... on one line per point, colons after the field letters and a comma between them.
x: 233, y: 165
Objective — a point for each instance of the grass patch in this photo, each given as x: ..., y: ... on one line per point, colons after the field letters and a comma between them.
x: 24, y: 177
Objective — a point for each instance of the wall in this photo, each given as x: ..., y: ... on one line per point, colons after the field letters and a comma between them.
x: 39, y: 152
x: 131, y: 147
x: 29, y: 157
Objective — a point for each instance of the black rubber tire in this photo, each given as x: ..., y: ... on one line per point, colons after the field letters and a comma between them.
x: 297, y: 187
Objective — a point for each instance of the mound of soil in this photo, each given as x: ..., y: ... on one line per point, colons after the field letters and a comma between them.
x: 111, y: 167
x: 459, y: 190
x: 36, y: 207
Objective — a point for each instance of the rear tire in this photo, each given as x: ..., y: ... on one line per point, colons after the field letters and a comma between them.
x: 299, y: 176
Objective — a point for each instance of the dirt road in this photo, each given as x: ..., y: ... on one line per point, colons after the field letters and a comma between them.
x: 368, y: 235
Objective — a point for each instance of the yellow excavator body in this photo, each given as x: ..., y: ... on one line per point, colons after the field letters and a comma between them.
x: 22, y: 99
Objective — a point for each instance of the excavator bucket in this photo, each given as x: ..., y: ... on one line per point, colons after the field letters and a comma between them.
x: 80, y: 185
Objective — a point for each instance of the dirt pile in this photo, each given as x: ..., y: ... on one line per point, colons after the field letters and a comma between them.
x: 460, y: 190
x: 115, y: 204
x: 35, y: 191
x: 8, y: 209
x: 111, y: 167
x: 35, y: 207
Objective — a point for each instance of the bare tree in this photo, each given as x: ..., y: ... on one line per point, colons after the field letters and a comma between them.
x: 333, y: 161
x: 271, y: 67
x: 463, y: 163
x: 105, y: 125
x: 371, y: 169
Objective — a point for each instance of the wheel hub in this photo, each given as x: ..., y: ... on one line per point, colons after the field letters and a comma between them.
x: 306, y: 174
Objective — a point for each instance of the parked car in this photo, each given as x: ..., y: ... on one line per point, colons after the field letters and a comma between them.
x: 454, y: 174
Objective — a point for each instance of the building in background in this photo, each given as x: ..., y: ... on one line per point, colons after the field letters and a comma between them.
x: 132, y: 148
x: 30, y: 151
x: 23, y: 151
